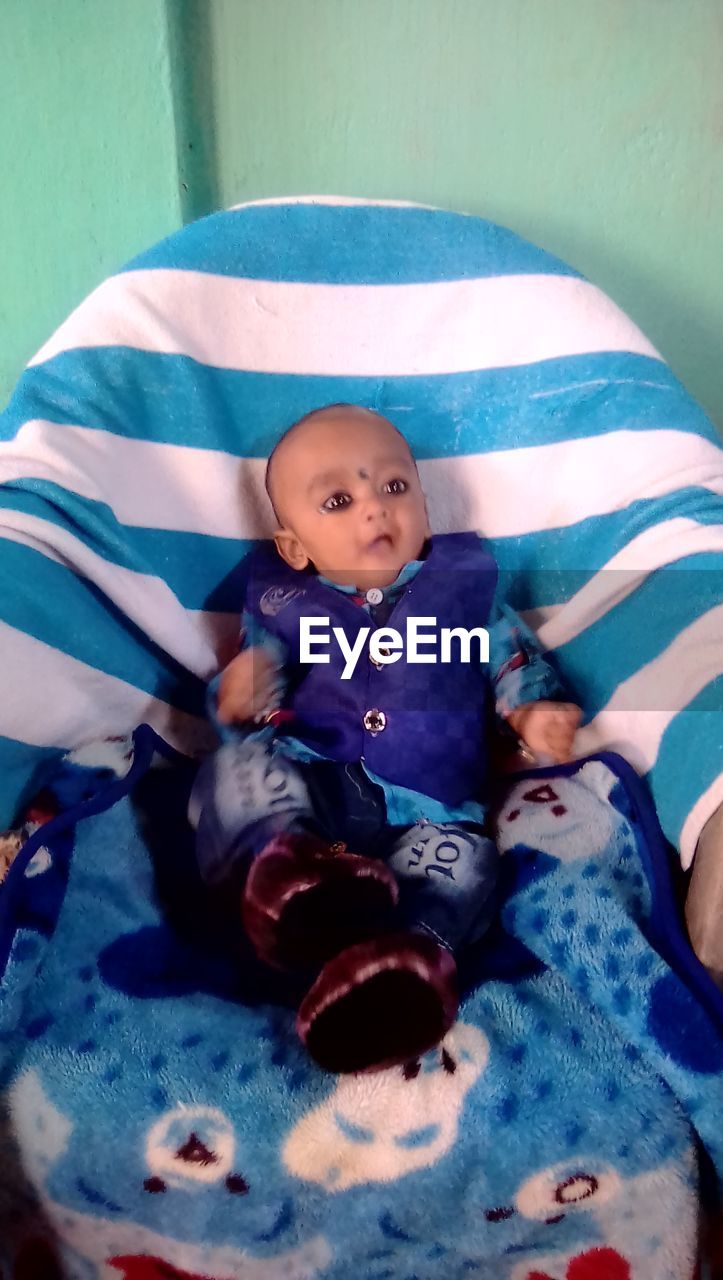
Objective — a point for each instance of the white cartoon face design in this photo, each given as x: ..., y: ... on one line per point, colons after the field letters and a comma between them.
x: 565, y: 1187
x: 189, y: 1147
x: 191, y: 1144
x: 563, y: 817
x: 378, y: 1128
x: 553, y: 1193
x: 589, y: 1184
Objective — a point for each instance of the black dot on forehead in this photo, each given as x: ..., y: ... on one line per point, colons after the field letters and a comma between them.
x: 363, y: 474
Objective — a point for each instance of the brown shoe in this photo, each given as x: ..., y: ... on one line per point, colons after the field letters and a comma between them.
x: 304, y: 901
x: 380, y: 1003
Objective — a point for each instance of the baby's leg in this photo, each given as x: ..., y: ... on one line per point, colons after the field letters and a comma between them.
x: 447, y: 875
x: 243, y: 796
x: 390, y: 998
x: 301, y: 896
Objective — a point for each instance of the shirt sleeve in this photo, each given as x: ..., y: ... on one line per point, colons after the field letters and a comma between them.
x: 253, y: 634
x: 518, y: 671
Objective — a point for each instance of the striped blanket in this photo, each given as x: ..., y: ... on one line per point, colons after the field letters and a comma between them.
x: 133, y: 450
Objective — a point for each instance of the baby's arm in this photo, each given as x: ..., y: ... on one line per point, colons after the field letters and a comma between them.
x: 252, y: 684
x: 528, y: 693
x: 246, y: 688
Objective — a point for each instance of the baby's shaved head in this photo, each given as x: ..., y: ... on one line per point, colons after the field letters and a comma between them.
x: 347, y: 496
x: 351, y: 413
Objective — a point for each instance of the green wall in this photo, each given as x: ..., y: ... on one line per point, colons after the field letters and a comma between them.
x: 594, y: 127
x: 87, y: 156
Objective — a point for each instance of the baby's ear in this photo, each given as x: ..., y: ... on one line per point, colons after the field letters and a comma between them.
x: 290, y: 549
x: 428, y: 533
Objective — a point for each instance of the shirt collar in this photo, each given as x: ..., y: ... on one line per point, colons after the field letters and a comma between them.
x: 405, y: 575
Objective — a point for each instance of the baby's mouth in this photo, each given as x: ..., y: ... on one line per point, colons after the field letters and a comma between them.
x: 384, y: 542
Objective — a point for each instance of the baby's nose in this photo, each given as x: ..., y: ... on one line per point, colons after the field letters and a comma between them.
x: 375, y: 506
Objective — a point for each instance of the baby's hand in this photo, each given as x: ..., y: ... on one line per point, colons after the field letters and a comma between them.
x: 547, y: 728
x: 247, y: 688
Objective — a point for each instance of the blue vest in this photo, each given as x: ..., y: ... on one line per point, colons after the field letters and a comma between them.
x: 432, y: 732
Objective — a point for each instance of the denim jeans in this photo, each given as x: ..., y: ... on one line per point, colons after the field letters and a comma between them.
x: 248, y: 792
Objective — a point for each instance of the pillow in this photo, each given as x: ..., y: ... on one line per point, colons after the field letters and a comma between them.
x: 134, y: 447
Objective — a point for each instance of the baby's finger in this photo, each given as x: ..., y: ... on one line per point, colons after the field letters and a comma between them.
x: 260, y: 701
x: 229, y: 710
x: 266, y: 698
x: 559, y: 743
x: 557, y: 715
x: 569, y: 713
x: 562, y: 729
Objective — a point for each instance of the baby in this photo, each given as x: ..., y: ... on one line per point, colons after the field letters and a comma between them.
x: 350, y: 812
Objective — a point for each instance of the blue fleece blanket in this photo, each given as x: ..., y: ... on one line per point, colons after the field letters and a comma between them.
x: 161, y: 1122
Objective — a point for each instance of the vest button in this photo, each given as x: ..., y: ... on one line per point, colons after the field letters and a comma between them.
x: 375, y: 721
x: 374, y: 595
x: 385, y: 654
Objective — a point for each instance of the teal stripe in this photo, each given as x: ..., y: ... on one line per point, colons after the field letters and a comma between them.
x: 93, y: 522
x: 321, y: 244
x: 639, y: 629
x: 541, y: 568
x: 547, y: 567
x: 24, y: 770
x: 173, y: 400
x: 55, y: 605
x: 696, y: 732
x: 202, y: 571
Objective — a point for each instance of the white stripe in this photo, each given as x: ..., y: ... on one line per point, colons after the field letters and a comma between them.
x: 341, y: 201
x: 48, y: 699
x: 352, y: 330
x: 536, y: 618
x: 220, y: 631
x: 146, y: 484
x: 519, y: 491
x: 625, y: 724
x: 702, y: 810
x: 507, y: 493
x: 144, y: 599
x: 663, y: 544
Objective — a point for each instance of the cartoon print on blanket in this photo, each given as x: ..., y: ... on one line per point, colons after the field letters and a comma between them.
x: 169, y: 1129
x: 410, y: 1119
x: 561, y: 817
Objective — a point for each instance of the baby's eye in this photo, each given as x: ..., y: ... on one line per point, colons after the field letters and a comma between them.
x: 336, y: 502
x: 396, y: 486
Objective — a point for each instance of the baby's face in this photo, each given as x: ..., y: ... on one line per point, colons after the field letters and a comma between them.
x: 348, y: 495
